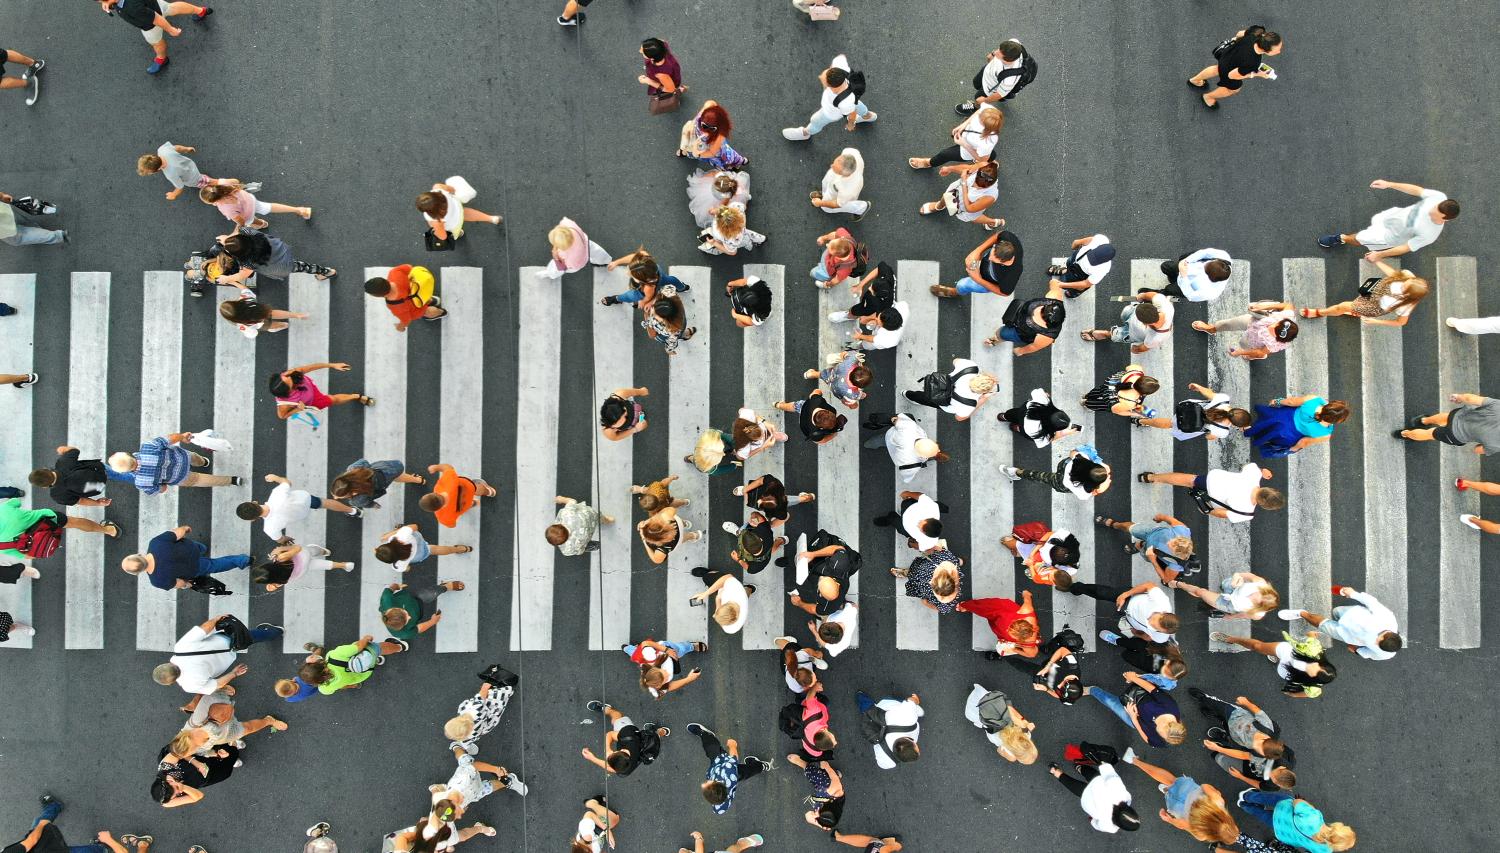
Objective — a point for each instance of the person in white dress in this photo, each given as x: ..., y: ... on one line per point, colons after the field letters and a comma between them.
x: 972, y: 196
x: 1396, y: 231
x: 728, y: 234
x: 842, y: 184
x: 709, y: 191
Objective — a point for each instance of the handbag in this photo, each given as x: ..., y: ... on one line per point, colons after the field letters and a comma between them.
x: 825, y: 12
x: 239, y: 636
x: 209, y: 585
x: 436, y: 245
x: 664, y: 103
x: 39, y: 542
x: 1207, y: 503
x: 1368, y: 288
x: 210, y: 439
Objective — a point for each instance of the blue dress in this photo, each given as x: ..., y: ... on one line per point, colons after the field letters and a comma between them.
x: 1278, y: 428
x: 727, y: 158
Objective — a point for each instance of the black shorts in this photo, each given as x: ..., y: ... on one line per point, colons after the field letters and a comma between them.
x: 1226, y: 82
x: 1445, y: 435
x: 4, y: 56
x: 583, y: 3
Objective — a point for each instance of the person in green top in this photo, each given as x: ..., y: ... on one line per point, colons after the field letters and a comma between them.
x: 407, y: 614
x: 349, y: 665
x: 15, y: 520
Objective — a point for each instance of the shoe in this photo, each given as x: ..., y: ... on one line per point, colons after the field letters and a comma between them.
x: 967, y: 108
x: 738, y: 491
x: 355, y: 512
x: 46, y: 799
x: 512, y: 783
x: 867, y: 118
x: 1470, y: 520
x: 312, y: 648
x: 756, y: 839
x: 1218, y: 734
x: 269, y: 624
x: 66, y: 238
x: 1197, y: 694
x: 8, y: 492
x: 570, y: 22
x: 235, y: 481
x: 764, y: 764
x: 597, y: 707
x: 1289, y: 614
x: 855, y: 217
x: 1330, y: 241
x: 31, y: 70
x: 157, y: 65
x: 1109, y: 636
x: 731, y: 528
x: 1240, y: 799
x: 253, y: 187
x: 1012, y: 472
x: 795, y: 134
x: 204, y: 13
x: 991, y: 655
x: 699, y: 729
x: 30, y: 380
x: 405, y: 646
x: 318, y: 829
x: 1129, y: 756
x: 609, y: 300
x: 1461, y: 484
x: 380, y: 660
x: 839, y: 317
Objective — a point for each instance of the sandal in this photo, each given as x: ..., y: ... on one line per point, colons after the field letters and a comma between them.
x: 991, y: 341
x: 324, y: 276
x: 1056, y: 271
x: 1205, y: 328
x: 913, y: 161
x: 455, y: 586
x: 1103, y: 521
x: 1211, y: 106
x: 464, y: 549
x: 197, y: 848
x: 929, y: 207
x: 1144, y: 477
x: 1197, y: 85
x: 1310, y: 313
x: 366, y: 401
x: 697, y: 647
x: 421, y: 481
x: 111, y: 530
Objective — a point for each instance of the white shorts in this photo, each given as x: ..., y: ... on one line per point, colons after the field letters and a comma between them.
x: 156, y: 34
x: 622, y: 722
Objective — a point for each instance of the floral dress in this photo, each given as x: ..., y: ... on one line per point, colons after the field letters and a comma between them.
x: 919, y: 578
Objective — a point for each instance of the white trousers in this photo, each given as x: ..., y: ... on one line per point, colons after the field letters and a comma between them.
x: 1477, y: 325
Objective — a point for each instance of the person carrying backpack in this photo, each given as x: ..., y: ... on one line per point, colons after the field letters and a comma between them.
x: 1003, y: 725
x: 893, y: 726
x: 959, y: 391
x: 626, y: 745
x: 843, y: 93
x: 1007, y: 70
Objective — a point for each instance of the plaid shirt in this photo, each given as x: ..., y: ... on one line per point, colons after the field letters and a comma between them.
x: 725, y: 769
x: 160, y: 463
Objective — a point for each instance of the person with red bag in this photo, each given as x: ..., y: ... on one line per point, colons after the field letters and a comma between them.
x: 37, y: 533
x: 1049, y: 556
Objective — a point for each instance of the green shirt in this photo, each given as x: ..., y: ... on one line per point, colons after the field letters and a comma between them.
x: 15, y: 520
x: 408, y: 602
x: 360, y: 667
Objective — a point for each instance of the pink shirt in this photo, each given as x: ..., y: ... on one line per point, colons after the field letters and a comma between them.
x: 239, y: 207
x: 1262, y: 333
x: 577, y: 255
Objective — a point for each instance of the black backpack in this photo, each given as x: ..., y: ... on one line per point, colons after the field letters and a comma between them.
x: 1228, y: 44
x: 790, y: 719
x: 1069, y: 639
x: 861, y: 259
x: 1024, y: 75
x: 1190, y: 417
x: 939, y: 387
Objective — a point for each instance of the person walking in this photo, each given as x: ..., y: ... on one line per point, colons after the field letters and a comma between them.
x: 663, y: 531
x: 1007, y: 70
x: 267, y: 255
x: 468, y: 786
x: 1081, y: 472
x: 154, y: 19
x: 992, y: 712
x: 479, y: 714
x: 1145, y: 324
x: 1102, y: 794
x: 827, y: 797
x: 1246, y: 743
x: 1031, y: 325
x: 364, y: 483
x: 45, y: 837
x: 1200, y: 276
x: 750, y: 301
x: 349, y: 666
x: 842, y: 184
x: 1165, y: 543
x: 28, y: 79
x: 959, y: 392
x: 1242, y: 595
x: 405, y: 545
x: 1474, y: 420
x: 647, y: 278
x: 705, y: 138
x: 1047, y: 555
x: 839, y: 259
x: 171, y: 162
x: 1291, y: 424
x: 410, y: 294
x: 974, y: 140
x: 907, y: 443
x: 1268, y: 328
x: 893, y: 726
x: 728, y: 233
x: 36, y: 533
x: 819, y: 421
x: 445, y: 208
x: 173, y: 561
x: 251, y: 316
x: 934, y: 578
x: 621, y: 415
x: 710, y: 190
x: 971, y: 195
x: 18, y: 227
x: 241, y: 207
x: 407, y: 614
x: 725, y: 770
x: 731, y: 598
x: 1210, y: 415
x: 296, y: 392
x: 1087, y: 264
x: 1231, y: 495
x: 823, y: 569
x: 575, y: 529
x: 597, y: 828
x: 288, y: 562
x: 1302, y: 664
x: 1296, y: 822
x: 1367, y: 627
x: 1039, y: 419
x: 663, y: 77
x: 453, y: 495
x: 1015, y: 625
x: 572, y: 250
x: 1198, y: 810
x: 993, y: 267
x: 846, y: 376
x: 203, y: 659
x: 626, y: 745
x: 1238, y: 59
x: 918, y: 519
x: 1385, y: 301
x: 842, y: 98
x: 1146, y: 707
x: 659, y: 664
x: 1124, y: 393
x: 1397, y: 231
x: 665, y: 321
x: 285, y: 507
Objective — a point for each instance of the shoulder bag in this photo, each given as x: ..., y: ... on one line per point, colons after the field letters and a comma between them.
x: 40, y: 541
x: 1207, y: 503
x: 664, y: 102
x: 436, y: 245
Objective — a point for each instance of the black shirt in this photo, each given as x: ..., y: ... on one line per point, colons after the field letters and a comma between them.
x: 1241, y: 56
x: 140, y: 14
x: 767, y: 535
x: 809, y: 429
x: 51, y: 841
x: 769, y: 498
x: 1027, y: 329
x: 77, y: 478
x: 629, y: 738
x: 1005, y: 276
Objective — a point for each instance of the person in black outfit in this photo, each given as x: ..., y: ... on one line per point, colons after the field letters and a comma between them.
x: 877, y: 292
x: 1039, y: 419
x: 1031, y: 325
x: 153, y: 19
x: 626, y: 745
x: 819, y: 421
x: 824, y: 567
x: 749, y: 301
x: 75, y: 481
x: 993, y: 267
x: 755, y: 542
x: 767, y: 494
x: 1055, y: 669
x: 1239, y: 60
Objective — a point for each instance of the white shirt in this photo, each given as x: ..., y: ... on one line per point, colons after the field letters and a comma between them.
x: 1362, y: 626
x: 1095, y: 272
x: 828, y: 109
x: 1149, y: 336
x: 898, y: 712
x: 1194, y: 282
x: 409, y: 537
x: 200, y: 673
x: 848, y: 616
x: 888, y: 338
x: 1237, y: 489
x: 590, y: 832
x: 1218, y: 431
x: 993, y: 85
x: 733, y: 592
x: 912, y: 517
x: 287, y: 507
x: 1411, y: 225
x: 961, y: 211
x: 963, y: 387
x: 1141, y: 607
x: 845, y: 188
x: 767, y: 430
x: 1100, y: 797
x: 973, y: 133
x: 901, y: 443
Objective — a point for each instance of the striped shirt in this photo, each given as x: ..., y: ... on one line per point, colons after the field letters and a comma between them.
x: 725, y: 769
x: 160, y: 463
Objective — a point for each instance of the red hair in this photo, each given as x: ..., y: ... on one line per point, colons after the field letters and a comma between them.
x: 714, y: 120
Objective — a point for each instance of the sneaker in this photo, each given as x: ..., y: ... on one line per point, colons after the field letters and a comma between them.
x: 1330, y: 241
x: 698, y: 729
x: 1011, y: 472
x: 1289, y: 614
x: 46, y: 799
x: 1129, y: 756
x: 795, y: 134
x: 731, y: 528
x: 839, y: 317
x: 867, y: 118
x: 30, y: 380
x: 204, y: 13
x: 355, y: 512
x: 1470, y: 520
x: 1240, y: 799
x: 1218, y: 734
x: 755, y: 840
x: 1461, y: 484
x: 1109, y: 636
x: 157, y: 65
x: 318, y: 830
x: 235, y: 481
x: 253, y: 187
x: 738, y: 491
x: 405, y: 646
x: 31, y: 70
x: 596, y: 706
x: 570, y: 22
x: 764, y: 764
x: 269, y: 625
x: 513, y: 783
x: 609, y: 300
x: 967, y: 108
x: 991, y: 655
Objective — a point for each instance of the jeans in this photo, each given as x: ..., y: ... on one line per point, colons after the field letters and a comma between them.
x: 967, y: 285
x: 214, y: 565
x: 820, y: 121
x: 1477, y: 325
x: 864, y: 701
x: 819, y: 273
x: 28, y: 234
x: 49, y: 814
x: 682, y: 649
x: 1262, y: 804
x: 261, y: 635
x: 1116, y: 707
x: 630, y: 296
x: 1006, y: 333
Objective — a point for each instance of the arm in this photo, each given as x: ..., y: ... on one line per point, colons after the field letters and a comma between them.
x: 223, y: 680
x: 184, y: 796
x: 1040, y: 343
x: 589, y: 756
x: 1133, y: 591
x: 1409, y: 189
x: 683, y: 682
x: 430, y: 623
x: 715, y: 587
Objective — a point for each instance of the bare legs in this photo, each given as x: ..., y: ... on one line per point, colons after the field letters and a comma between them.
x: 1439, y: 419
x: 862, y: 841
x: 272, y: 723
x: 304, y: 212
x: 1165, y: 777
x: 1184, y: 481
x: 16, y: 82
x: 472, y: 215
x: 87, y: 525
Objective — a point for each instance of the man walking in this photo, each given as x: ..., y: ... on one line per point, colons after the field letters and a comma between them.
x: 153, y: 19
x: 1247, y: 734
x: 1396, y: 231
x: 626, y: 745
x: 453, y: 495
x: 843, y: 91
x: 993, y: 267
x: 409, y: 293
x: 203, y: 660
x: 18, y: 227
x: 1006, y: 71
x: 1199, y: 276
x: 285, y: 507
x: 893, y: 726
x: 163, y: 462
x: 1145, y: 609
x: 1368, y: 627
x: 1145, y: 324
x: 75, y: 481
x: 725, y: 770
x: 842, y: 184
x: 1087, y: 265
x: 28, y: 73
x: 173, y: 561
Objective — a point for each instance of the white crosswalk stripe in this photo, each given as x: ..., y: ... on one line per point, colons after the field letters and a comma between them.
x: 989, y: 511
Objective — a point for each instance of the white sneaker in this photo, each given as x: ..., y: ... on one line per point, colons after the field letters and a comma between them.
x: 514, y: 783
x: 839, y: 317
x: 1129, y: 756
x: 731, y: 528
x: 867, y: 118
x: 1012, y: 472
x: 795, y: 134
x: 1290, y: 614
x: 349, y: 567
x: 1470, y: 520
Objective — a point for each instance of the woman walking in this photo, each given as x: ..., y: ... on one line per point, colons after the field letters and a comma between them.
x: 1296, y: 822
x: 443, y: 207
x: 846, y: 376
x: 665, y: 321
x: 705, y: 138
x: 596, y: 828
x: 180, y: 782
x: 1196, y: 809
x: 1302, y: 664
x: 296, y: 392
x: 263, y: 254
x: 1039, y: 419
x: 1015, y: 625
x: 406, y: 545
x: 728, y: 234
x: 731, y: 598
x: 663, y: 77
x: 753, y: 434
x: 286, y: 563
x: 971, y: 195
x: 1211, y: 417
x: 711, y: 191
x: 1396, y: 295
x: 620, y: 416
x: 364, y: 482
x: 973, y: 140
x: 252, y: 317
x: 1082, y: 472
x: 1268, y: 328
x: 1124, y: 393
x: 242, y: 208
x: 663, y: 531
x: 1290, y: 424
x: 572, y: 250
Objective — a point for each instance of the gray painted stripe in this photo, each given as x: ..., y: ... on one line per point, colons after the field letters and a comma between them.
x: 838, y: 461
x: 307, y: 459
x: 916, y: 356
x: 688, y: 374
x: 234, y: 418
x: 88, y: 370
x: 614, y: 367
x: 385, y: 438
x: 1151, y: 449
x: 461, y: 444
x: 1309, y: 474
x: 539, y: 305
x: 765, y: 381
x: 1458, y: 372
x: 1229, y: 544
x: 991, y: 501
x: 16, y: 356
x: 1383, y: 385
x: 161, y: 409
x: 1073, y: 369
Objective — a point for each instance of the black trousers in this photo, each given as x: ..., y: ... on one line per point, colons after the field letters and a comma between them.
x: 1077, y: 785
x: 1056, y: 479
x: 709, y: 576
x: 1098, y: 591
x: 920, y: 397
x: 952, y: 154
x: 713, y: 749
x: 1213, y: 706
x: 1136, y: 652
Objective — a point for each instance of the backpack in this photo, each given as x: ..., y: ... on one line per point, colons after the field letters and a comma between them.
x: 1190, y: 417
x: 650, y: 744
x: 994, y: 711
x: 40, y: 542
x: 789, y: 720
x: 862, y: 261
x: 1069, y: 639
x: 938, y: 387
x: 1024, y: 75
x: 1228, y: 44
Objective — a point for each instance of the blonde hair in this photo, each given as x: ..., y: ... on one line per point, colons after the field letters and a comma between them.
x: 182, y: 744
x: 730, y: 221
x: 1339, y: 836
x: 982, y: 384
x: 286, y: 688
x: 459, y: 728
x: 149, y: 164
x: 945, y: 580
x: 134, y: 564
x: 1209, y: 821
x: 653, y: 677
x: 992, y: 120
x: 1416, y: 289
x: 215, y: 193
x: 1175, y: 732
x: 840, y: 246
x: 727, y: 614
x: 1270, y: 600
x: 561, y: 237
x: 1180, y: 546
x: 1017, y: 742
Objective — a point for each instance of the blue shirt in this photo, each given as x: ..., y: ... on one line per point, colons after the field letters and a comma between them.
x: 176, y: 559
x: 304, y: 690
x: 1159, y: 537
x: 161, y: 463
x: 727, y: 770
x: 1306, y: 419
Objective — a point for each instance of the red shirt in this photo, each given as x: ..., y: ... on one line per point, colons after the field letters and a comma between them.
x: 399, y: 300
x: 1001, y: 613
x: 460, y: 494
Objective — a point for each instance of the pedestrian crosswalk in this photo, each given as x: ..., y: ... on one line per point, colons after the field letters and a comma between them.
x: 762, y: 373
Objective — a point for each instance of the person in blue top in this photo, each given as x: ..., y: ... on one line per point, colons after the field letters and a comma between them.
x: 173, y: 561
x: 1290, y: 424
x: 1296, y: 822
x: 725, y: 770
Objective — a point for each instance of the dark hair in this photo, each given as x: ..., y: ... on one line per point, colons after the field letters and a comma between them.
x: 1053, y: 314
x: 986, y: 175
x: 715, y: 793
x: 1057, y: 421
x: 161, y: 792
x: 1216, y: 269
x: 1390, y: 641
x: 826, y: 419
x: 751, y: 543
x: 1147, y: 313
x: 1145, y: 385
x: 1272, y: 748
x: 836, y: 76
x: 905, y: 750
x: 655, y: 49
x: 1091, y: 474
x: 279, y: 388
x: 1267, y: 40
x: 378, y: 287
x: 432, y: 502
x: 433, y: 204
x: 666, y: 309
x: 391, y: 552
x: 1334, y: 412
x: 860, y: 376
x: 619, y: 761
x: 831, y: 632
x: 1286, y: 331
x: 42, y: 477
x: 1124, y: 817
x: 1011, y: 50
x: 891, y: 319
x: 714, y: 121
x: 248, y: 511
x: 1240, y: 417
x: 1170, y: 623
x: 1068, y: 692
x: 244, y: 311
x: 612, y: 409
x: 1448, y: 208
x: 825, y: 740
x: 931, y: 527
x: 1064, y: 555
x: 1327, y: 672
x: 272, y: 571
x: 314, y: 673
x: 1003, y: 249
x: 237, y: 246
x: 355, y: 481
